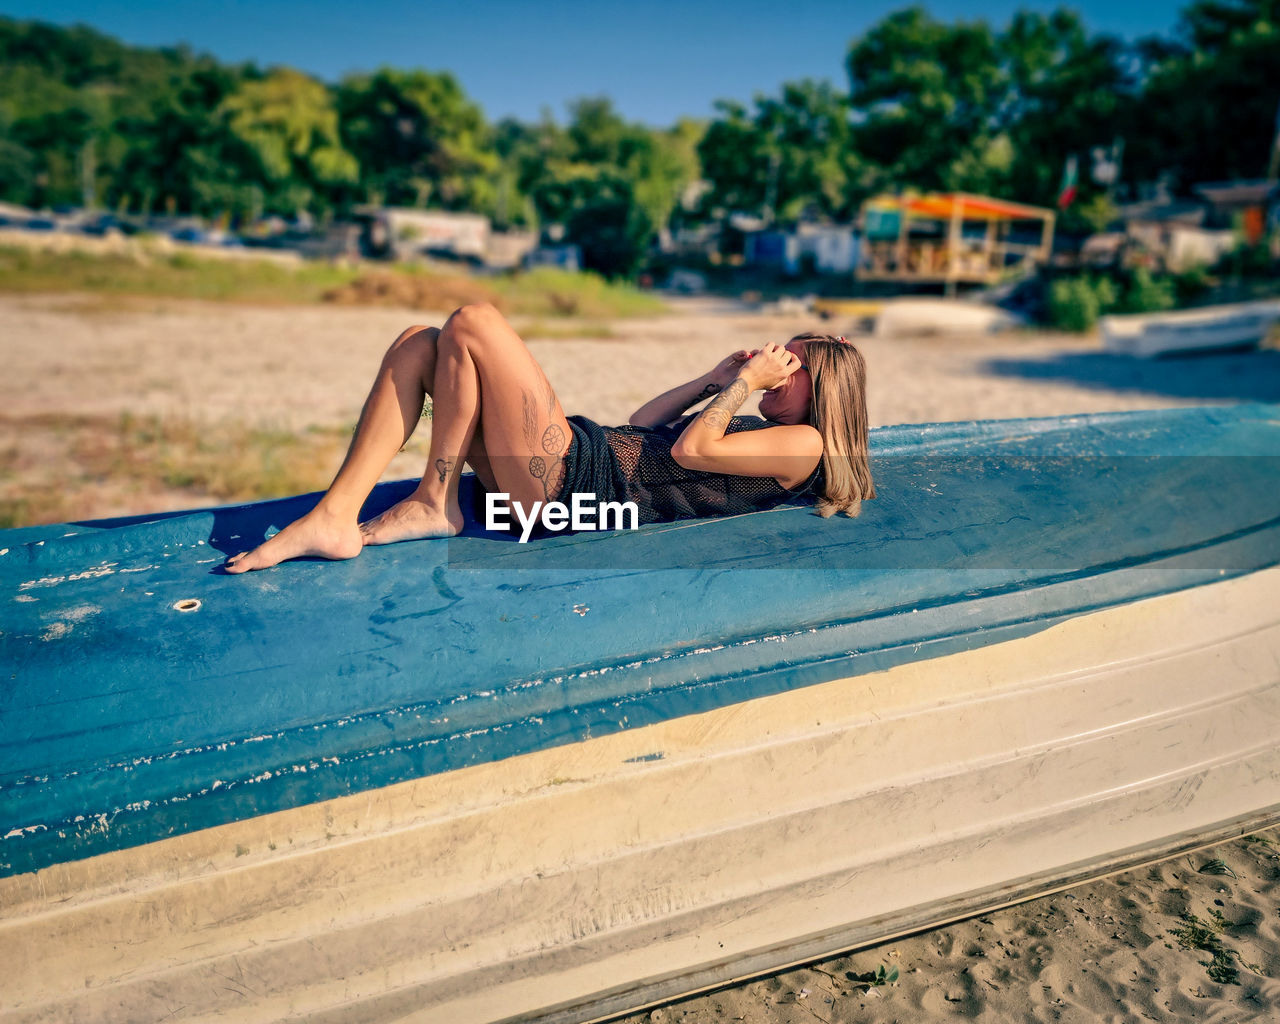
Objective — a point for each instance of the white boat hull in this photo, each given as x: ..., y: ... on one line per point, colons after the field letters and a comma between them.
x: 579, y: 881
x: 1227, y: 327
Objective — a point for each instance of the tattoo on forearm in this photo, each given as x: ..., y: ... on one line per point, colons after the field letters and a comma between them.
x: 442, y: 467
x: 718, y: 414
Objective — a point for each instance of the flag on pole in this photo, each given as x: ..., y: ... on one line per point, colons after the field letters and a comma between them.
x: 1070, y: 173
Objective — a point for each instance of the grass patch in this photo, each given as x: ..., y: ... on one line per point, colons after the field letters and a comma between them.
x: 224, y: 461
x: 412, y: 289
x: 1207, y: 937
x: 548, y: 292
x: 150, y: 273
x: 541, y: 293
x: 139, y: 272
x: 550, y: 330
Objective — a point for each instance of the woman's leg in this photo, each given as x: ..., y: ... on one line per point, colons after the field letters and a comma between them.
x: 390, y: 414
x: 485, y: 380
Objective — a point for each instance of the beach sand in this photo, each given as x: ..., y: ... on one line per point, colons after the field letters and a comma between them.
x: 1113, y: 950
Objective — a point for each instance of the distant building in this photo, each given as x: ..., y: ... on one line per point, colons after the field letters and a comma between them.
x: 565, y: 257
x: 834, y: 247
x: 777, y: 249
x: 392, y: 232
x: 1167, y: 234
x: 1255, y: 205
x: 1178, y: 234
x: 509, y: 249
x: 806, y: 249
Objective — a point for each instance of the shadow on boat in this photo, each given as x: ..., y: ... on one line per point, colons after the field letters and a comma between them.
x: 1244, y: 376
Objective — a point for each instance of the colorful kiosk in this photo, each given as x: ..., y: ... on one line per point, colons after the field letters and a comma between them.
x: 951, y: 239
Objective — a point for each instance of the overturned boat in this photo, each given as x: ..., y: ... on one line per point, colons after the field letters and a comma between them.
x: 476, y: 780
x: 1208, y: 329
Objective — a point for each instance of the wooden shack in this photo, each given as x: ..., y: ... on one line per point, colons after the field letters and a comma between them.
x: 951, y: 239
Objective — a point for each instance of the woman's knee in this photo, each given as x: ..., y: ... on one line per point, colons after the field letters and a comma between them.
x: 415, y: 342
x: 474, y: 322
x: 415, y: 334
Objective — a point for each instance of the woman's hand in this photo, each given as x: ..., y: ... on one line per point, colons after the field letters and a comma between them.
x: 729, y: 367
x: 769, y: 367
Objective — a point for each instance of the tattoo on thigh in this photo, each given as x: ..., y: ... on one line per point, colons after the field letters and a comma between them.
x: 550, y: 470
x: 442, y: 467
x: 555, y: 479
x: 718, y: 414
x: 553, y: 440
x: 551, y: 395
x: 552, y: 476
x: 530, y: 417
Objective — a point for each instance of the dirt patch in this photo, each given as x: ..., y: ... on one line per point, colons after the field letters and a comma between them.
x: 412, y: 291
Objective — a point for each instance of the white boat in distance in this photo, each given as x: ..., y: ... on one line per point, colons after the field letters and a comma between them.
x: 1147, y: 335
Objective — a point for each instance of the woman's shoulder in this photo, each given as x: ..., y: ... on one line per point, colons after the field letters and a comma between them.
x: 797, y: 438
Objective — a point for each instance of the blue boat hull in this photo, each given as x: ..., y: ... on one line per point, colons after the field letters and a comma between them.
x: 152, y: 699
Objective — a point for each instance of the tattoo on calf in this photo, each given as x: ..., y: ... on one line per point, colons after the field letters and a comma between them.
x: 718, y: 414
x: 707, y: 392
x: 442, y: 468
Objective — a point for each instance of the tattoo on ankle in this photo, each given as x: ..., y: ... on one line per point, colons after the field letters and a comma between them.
x: 707, y: 392
x: 442, y: 467
x: 718, y: 414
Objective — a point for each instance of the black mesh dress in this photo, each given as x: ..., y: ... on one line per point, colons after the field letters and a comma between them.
x: 635, y: 464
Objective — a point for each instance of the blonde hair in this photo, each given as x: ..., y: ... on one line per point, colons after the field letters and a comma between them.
x: 839, y: 412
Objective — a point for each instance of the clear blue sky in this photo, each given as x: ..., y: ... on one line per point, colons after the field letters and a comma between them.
x: 657, y: 61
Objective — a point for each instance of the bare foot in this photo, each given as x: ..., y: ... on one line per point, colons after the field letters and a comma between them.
x: 315, y: 535
x: 411, y: 519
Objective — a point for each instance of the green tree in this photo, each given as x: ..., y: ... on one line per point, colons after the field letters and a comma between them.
x: 785, y: 157
x: 1067, y: 92
x: 609, y: 183
x: 177, y: 148
x: 418, y: 140
x: 286, y: 126
x: 655, y: 164
x: 928, y: 100
x: 600, y: 214
x: 1209, y: 105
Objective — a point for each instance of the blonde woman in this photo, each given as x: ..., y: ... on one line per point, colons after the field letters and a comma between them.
x: 494, y: 410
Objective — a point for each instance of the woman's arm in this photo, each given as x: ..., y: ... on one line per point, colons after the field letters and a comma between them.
x: 672, y: 404
x: 787, y: 453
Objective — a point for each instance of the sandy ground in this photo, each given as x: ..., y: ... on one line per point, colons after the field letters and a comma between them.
x: 1109, y: 951
x: 310, y: 365
x: 1103, y: 952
